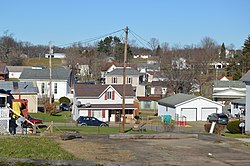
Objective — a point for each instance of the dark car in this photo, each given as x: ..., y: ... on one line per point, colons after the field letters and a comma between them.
x: 90, y: 121
x: 219, y: 118
x: 64, y: 106
x: 34, y: 120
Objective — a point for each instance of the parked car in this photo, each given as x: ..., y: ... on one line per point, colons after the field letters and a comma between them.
x: 219, y: 118
x: 90, y: 121
x: 64, y: 106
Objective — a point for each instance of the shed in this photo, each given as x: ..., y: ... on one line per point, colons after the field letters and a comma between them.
x: 194, y: 108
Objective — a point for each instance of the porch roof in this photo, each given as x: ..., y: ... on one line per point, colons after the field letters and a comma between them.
x: 108, y: 106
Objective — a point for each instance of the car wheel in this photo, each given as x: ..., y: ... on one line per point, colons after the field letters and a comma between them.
x: 83, y: 124
x: 103, y: 125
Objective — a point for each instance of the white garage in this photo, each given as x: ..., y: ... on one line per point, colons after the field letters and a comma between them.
x: 193, y: 108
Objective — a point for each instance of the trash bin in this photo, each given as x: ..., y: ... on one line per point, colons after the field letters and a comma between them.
x: 167, y: 118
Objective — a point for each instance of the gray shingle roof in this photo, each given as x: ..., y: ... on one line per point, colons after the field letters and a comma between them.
x: 246, y: 77
x: 175, y: 99
x: 90, y: 90
x: 21, y: 87
x: 119, y: 71
x: 58, y: 73
x: 233, y: 84
x: 241, y: 101
x: 17, y: 68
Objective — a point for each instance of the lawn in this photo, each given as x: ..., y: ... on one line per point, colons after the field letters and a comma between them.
x: 32, y: 148
x: 59, y: 117
x: 42, y: 62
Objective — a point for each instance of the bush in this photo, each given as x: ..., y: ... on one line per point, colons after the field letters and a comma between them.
x: 217, y: 130
x: 233, y: 127
x: 64, y: 99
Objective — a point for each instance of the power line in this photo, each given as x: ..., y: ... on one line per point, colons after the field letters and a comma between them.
x: 135, y: 34
x: 92, y: 39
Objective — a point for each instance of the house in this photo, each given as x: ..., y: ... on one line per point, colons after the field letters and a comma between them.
x: 246, y: 80
x: 56, y: 55
x: 4, y: 112
x: 23, y: 90
x: 193, y: 108
x: 159, y: 88
x: 238, y: 107
x: 225, y: 91
x: 115, y: 77
x: 4, y: 72
x: 61, y: 80
x: 16, y: 71
x: 108, y: 67
x: 105, y: 102
x: 148, y: 102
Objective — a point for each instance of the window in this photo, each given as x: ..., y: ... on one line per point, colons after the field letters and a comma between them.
x: 109, y: 95
x: 43, y: 87
x: 129, y: 80
x: 147, y: 104
x: 55, y: 88
x: 114, y: 80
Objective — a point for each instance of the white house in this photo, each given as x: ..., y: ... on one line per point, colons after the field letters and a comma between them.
x: 246, y: 80
x: 61, y: 80
x: 104, y: 102
x: 16, y: 71
x: 238, y: 106
x: 194, y: 108
x: 56, y: 55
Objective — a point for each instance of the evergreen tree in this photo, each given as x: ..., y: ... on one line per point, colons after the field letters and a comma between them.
x: 222, y: 51
x: 245, y: 62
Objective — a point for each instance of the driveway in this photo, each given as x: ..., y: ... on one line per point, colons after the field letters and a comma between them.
x: 205, y: 149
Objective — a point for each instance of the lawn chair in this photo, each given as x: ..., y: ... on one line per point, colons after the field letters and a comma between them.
x: 139, y: 127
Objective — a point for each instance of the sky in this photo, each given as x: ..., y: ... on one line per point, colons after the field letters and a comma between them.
x: 177, y: 22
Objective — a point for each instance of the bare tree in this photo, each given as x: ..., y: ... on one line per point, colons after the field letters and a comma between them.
x: 154, y: 43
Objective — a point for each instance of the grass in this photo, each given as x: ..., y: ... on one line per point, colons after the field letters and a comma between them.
x: 42, y: 61
x: 60, y: 117
x: 230, y: 135
x: 33, y: 148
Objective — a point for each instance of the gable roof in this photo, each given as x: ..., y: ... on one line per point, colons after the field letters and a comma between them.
x: 58, y: 73
x: 19, y: 87
x: 232, y: 84
x: 229, y: 93
x: 241, y: 101
x: 119, y: 71
x: 148, y: 98
x: 90, y: 90
x: 17, y: 68
x: 178, y: 98
x: 246, y: 77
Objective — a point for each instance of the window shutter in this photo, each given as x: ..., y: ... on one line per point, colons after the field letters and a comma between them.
x: 106, y: 95
x: 113, y: 95
x: 89, y: 112
x: 103, y: 113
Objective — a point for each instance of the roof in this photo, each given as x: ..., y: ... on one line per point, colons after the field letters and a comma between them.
x: 175, y: 99
x: 246, y: 77
x: 107, y: 65
x: 90, y: 90
x: 241, y: 101
x: 119, y: 71
x: 19, y: 87
x: 159, y: 83
x: 148, y: 98
x: 58, y: 73
x: 108, y: 106
x: 234, y: 84
x: 17, y: 68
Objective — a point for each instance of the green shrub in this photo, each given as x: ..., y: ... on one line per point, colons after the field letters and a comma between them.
x: 64, y: 99
x: 233, y: 127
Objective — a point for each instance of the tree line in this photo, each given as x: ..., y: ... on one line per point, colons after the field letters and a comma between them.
x: 198, y: 58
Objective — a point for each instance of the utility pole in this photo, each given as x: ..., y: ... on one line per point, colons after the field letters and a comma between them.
x: 124, y: 80
x: 50, y: 73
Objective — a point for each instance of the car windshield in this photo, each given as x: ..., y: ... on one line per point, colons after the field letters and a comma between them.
x: 222, y: 116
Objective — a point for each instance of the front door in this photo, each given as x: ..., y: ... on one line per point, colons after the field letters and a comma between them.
x: 117, y: 116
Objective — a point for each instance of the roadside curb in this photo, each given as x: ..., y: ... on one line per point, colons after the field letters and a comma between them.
x: 153, y: 136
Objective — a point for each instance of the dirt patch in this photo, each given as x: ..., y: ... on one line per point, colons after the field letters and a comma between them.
x: 93, y: 149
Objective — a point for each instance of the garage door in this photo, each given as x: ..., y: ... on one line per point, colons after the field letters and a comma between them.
x: 189, y: 113
x: 207, y: 111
